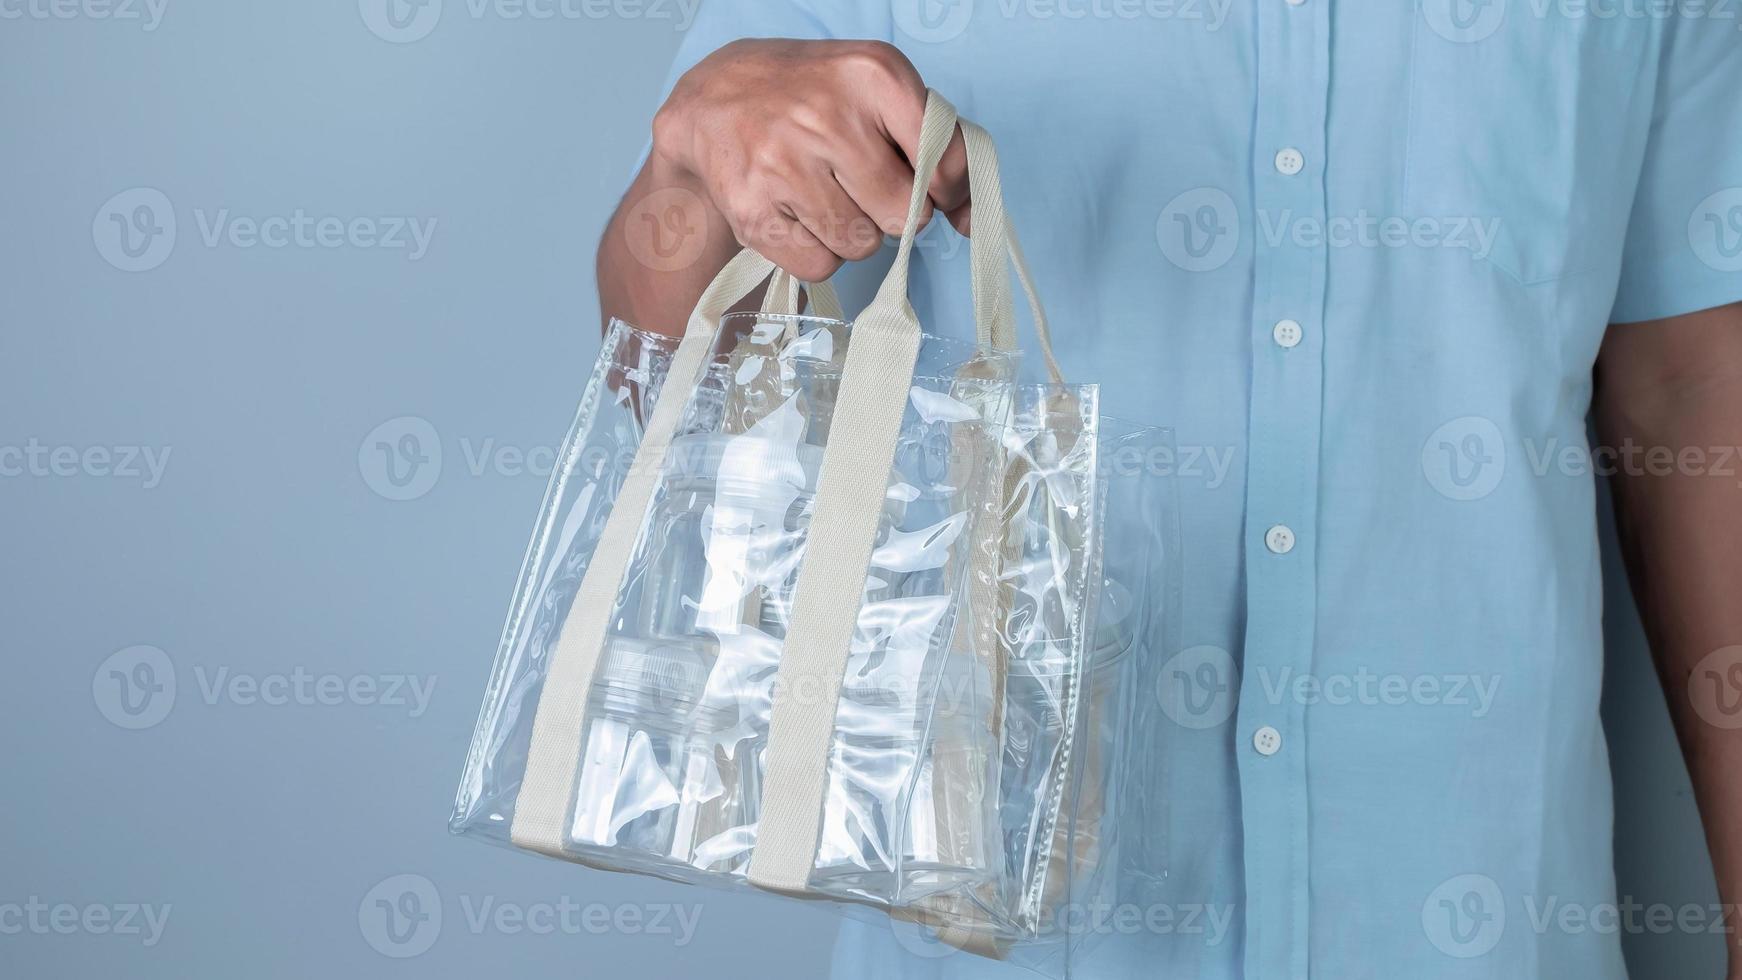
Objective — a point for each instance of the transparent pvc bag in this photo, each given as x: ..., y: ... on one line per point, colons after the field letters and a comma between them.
x: 1081, y: 806
x: 774, y: 632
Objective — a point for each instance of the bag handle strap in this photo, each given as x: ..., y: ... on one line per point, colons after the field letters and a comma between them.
x: 875, y: 379
x: 543, y: 808
x: 992, y: 244
x: 993, y: 248
x: 783, y: 295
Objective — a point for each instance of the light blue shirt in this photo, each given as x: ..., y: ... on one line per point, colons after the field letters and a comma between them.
x: 1360, y: 255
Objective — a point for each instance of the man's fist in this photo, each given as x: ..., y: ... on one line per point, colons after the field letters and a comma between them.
x: 803, y: 148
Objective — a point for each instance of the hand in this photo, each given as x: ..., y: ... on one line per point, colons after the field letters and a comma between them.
x: 804, y: 148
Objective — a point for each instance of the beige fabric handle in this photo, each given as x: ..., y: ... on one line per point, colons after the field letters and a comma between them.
x: 992, y: 244
x: 851, y: 487
x: 543, y: 809
x: 783, y: 294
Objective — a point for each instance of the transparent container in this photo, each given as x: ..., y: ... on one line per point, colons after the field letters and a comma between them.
x: 980, y: 771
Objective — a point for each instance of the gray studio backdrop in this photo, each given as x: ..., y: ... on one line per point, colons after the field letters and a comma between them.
x: 290, y: 319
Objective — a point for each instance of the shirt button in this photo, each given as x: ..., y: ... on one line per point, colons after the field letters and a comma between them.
x: 1289, y: 162
x: 1296, y: 3
x: 1287, y: 333
x: 1267, y: 740
x: 1279, y: 539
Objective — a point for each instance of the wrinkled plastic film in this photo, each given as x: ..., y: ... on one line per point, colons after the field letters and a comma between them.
x: 1116, y: 825
x: 978, y: 773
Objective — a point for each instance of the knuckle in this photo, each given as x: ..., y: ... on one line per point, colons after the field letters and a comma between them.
x: 878, y: 57
x: 744, y: 209
x: 669, y: 130
x: 775, y: 160
x: 802, y: 116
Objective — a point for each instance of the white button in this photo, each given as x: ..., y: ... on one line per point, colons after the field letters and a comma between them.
x: 1279, y: 539
x: 1295, y: 3
x: 1287, y: 333
x: 1289, y: 161
x: 1267, y: 740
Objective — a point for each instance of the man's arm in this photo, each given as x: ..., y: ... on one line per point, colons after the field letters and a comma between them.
x: 798, y: 149
x: 1677, y: 384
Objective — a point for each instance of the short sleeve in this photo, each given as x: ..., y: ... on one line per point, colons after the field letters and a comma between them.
x: 1684, y: 240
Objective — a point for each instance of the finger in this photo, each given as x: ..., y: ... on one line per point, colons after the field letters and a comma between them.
x: 963, y: 219
x: 785, y: 241
x: 880, y: 182
x: 833, y: 217
x: 901, y: 120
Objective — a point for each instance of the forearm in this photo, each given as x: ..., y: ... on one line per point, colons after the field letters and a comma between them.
x: 661, y: 248
x: 1680, y: 517
x: 1683, y: 537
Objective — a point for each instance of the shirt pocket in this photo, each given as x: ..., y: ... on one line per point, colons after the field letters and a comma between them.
x: 1530, y: 120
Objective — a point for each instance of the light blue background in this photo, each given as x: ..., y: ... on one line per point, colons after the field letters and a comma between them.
x: 270, y: 546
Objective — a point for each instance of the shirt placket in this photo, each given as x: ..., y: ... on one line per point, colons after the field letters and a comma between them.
x: 1290, y: 259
